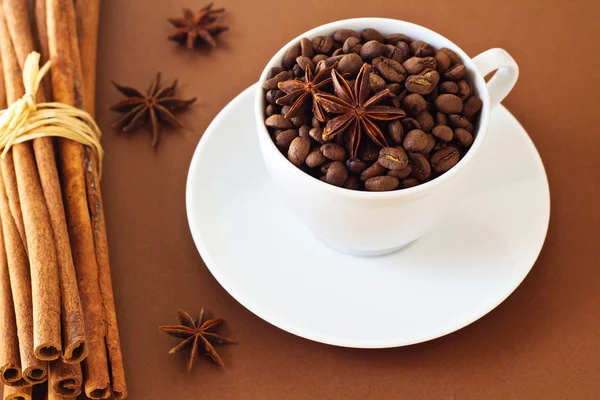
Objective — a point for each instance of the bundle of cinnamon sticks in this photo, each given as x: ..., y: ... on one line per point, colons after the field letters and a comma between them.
x: 57, y: 314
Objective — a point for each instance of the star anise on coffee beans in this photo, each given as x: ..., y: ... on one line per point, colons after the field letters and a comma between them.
x: 299, y: 93
x: 199, y: 27
x: 357, y: 111
x: 157, y: 105
x: 197, y: 337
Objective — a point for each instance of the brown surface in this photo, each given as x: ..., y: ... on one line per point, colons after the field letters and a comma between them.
x: 542, y: 343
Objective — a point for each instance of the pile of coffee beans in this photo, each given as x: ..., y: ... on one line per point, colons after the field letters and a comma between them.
x: 429, y: 84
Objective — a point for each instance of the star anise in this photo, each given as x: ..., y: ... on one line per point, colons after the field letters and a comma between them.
x: 298, y: 92
x: 357, y: 111
x: 158, y: 105
x: 196, y: 337
x: 193, y: 28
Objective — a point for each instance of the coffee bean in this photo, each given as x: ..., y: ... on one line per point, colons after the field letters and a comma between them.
x: 421, y: 49
x: 283, y: 139
x: 432, y: 142
x: 352, y: 45
x: 322, y: 44
x: 338, y: 52
x: 441, y: 119
x: 301, y: 119
x: 443, y: 61
x: 298, y: 151
x: 315, y: 123
x: 420, y: 84
x: 429, y: 63
x: 449, y: 103
x: 421, y: 169
x: 394, y: 53
x: 272, y: 83
x: 463, y: 137
x: 393, y: 158
x: 376, y: 82
x: 273, y: 95
x: 274, y: 71
x: 271, y: 110
x: 394, y: 88
x: 454, y: 58
x: 472, y: 106
x: 464, y: 91
x: 356, y: 166
x: 352, y: 183
x: 303, y: 130
x: 336, y: 174
x: 396, y: 131
x: 443, y: 132
x: 371, y: 50
x: 334, y: 152
x: 455, y: 72
x: 444, y: 159
x: 414, y: 65
x: 341, y: 35
x: 401, y: 174
x: 298, y: 72
x: 371, y: 34
x: 426, y: 121
x: 408, y: 124
x: 410, y: 182
x: 395, y: 38
x: 470, y: 128
x: 290, y: 56
x: 404, y: 50
x: 391, y: 70
x: 318, y: 58
x: 316, y: 134
x: 382, y: 183
x: 304, y: 62
x: 350, y: 64
x: 448, y: 87
x: 457, y: 121
x: 374, y: 170
x: 415, y: 140
x: 306, y: 48
x: 277, y: 121
x: 414, y: 104
x: 315, y: 158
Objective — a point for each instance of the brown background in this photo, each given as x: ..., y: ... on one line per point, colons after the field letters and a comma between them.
x: 542, y: 343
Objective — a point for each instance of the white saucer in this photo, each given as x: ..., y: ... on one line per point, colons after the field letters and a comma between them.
x: 269, y: 262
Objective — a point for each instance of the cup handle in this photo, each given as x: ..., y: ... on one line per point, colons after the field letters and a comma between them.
x: 505, y: 77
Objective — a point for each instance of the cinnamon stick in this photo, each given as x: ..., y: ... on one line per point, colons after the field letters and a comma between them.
x: 65, y: 379
x: 87, y: 27
x: 61, y: 30
x: 41, y: 34
x: 17, y: 393
x: 8, y: 172
x: 10, y: 362
x: 36, y: 219
x: 10, y: 181
x: 34, y: 370
x: 73, y: 330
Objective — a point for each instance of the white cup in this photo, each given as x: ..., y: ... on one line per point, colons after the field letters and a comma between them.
x: 373, y: 223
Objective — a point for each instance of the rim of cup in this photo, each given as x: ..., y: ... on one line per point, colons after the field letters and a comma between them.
x: 358, y: 24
